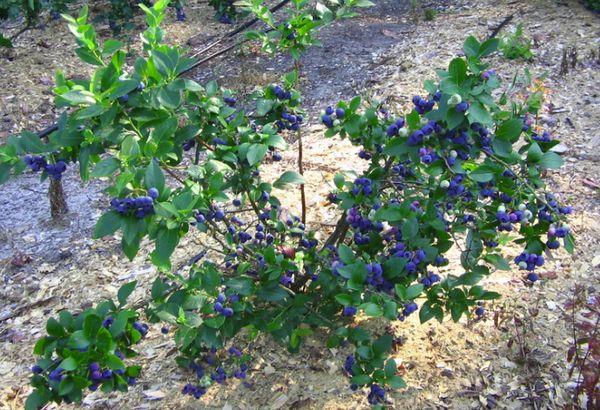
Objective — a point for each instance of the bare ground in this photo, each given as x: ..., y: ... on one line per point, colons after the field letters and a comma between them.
x: 498, y: 362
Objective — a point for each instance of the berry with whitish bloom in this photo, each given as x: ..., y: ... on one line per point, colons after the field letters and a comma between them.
x: 35, y: 369
x: 94, y: 366
x: 532, y: 277
x: 153, y: 193
x: 237, y: 202
x: 339, y: 113
x: 277, y: 156
x: 227, y: 312
x: 329, y: 111
x: 349, y: 311
x: 462, y: 106
x: 230, y: 101
x: 479, y: 311
x: 107, y: 374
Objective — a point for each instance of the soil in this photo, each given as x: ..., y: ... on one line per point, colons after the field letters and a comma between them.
x: 515, y: 357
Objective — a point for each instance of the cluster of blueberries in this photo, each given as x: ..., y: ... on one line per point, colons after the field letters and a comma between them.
x: 428, y: 155
x: 140, y: 207
x: 219, y: 308
x: 97, y: 375
x: 289, y: 122
x: 218, y: 376
x: 327, y: 117
x: 545, y: 137
x: 529, y: 261
x: 282, y: 94
x: 38, y: 163
x: 422, y: 105
x: 430, y: 279
x: 362, y: 185
x: 376, y: 394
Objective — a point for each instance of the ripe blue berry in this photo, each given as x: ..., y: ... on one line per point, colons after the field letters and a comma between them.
x: 153, y: 193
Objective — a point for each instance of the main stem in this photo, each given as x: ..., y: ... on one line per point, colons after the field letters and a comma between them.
x: 300, y: 153
x: 58, y: 201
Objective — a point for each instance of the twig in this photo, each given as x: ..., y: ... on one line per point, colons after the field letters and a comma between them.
x: 500, y: 26
x: 28, y: 306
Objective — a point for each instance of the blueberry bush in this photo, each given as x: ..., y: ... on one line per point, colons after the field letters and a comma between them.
x: 462, y: 169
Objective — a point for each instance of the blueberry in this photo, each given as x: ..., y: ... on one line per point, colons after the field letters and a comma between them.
x: 227, y: 312
x: 237, y: 202
x: 153, y: 193
x: 95, y: 366
x: 36, y: 369
x: 479, y: 311
x: 462, y: 107
x: 164, y: 330
x: 124, y: 98
x: 339, y: 113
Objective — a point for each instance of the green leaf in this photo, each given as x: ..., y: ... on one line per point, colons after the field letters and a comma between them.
x: 457, y: 70
x: 372, y: 309
x: 471, y: 46
x: 344, y: 299
x: 78, y: 97
x: 107, y: 224
x: 478, y: 113
x: 346, y: 254
x: 502, y: 148
x: 154, y: 177
x: 498, y: 261
x: 361, y: 379
x: 482, y: 173
x: 91, y: 324
x: 510, y: 130
x: 242, y: 285
x: 125, y: 291
x: 165, y: 246
x: 256, y: 153
x: 534, y: 153
x: 106, y: 167
x: 414, y: 290
x: 54, y: 328
x: 288, y: 178
x: 68, y: 364
x: 396, y: 382
x: 488, y: 47
x: 66, y: 386
x: 551, y: 160
x: 36, y: 400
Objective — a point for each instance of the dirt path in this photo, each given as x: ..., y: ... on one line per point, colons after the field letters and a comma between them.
x: 459, y: 366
